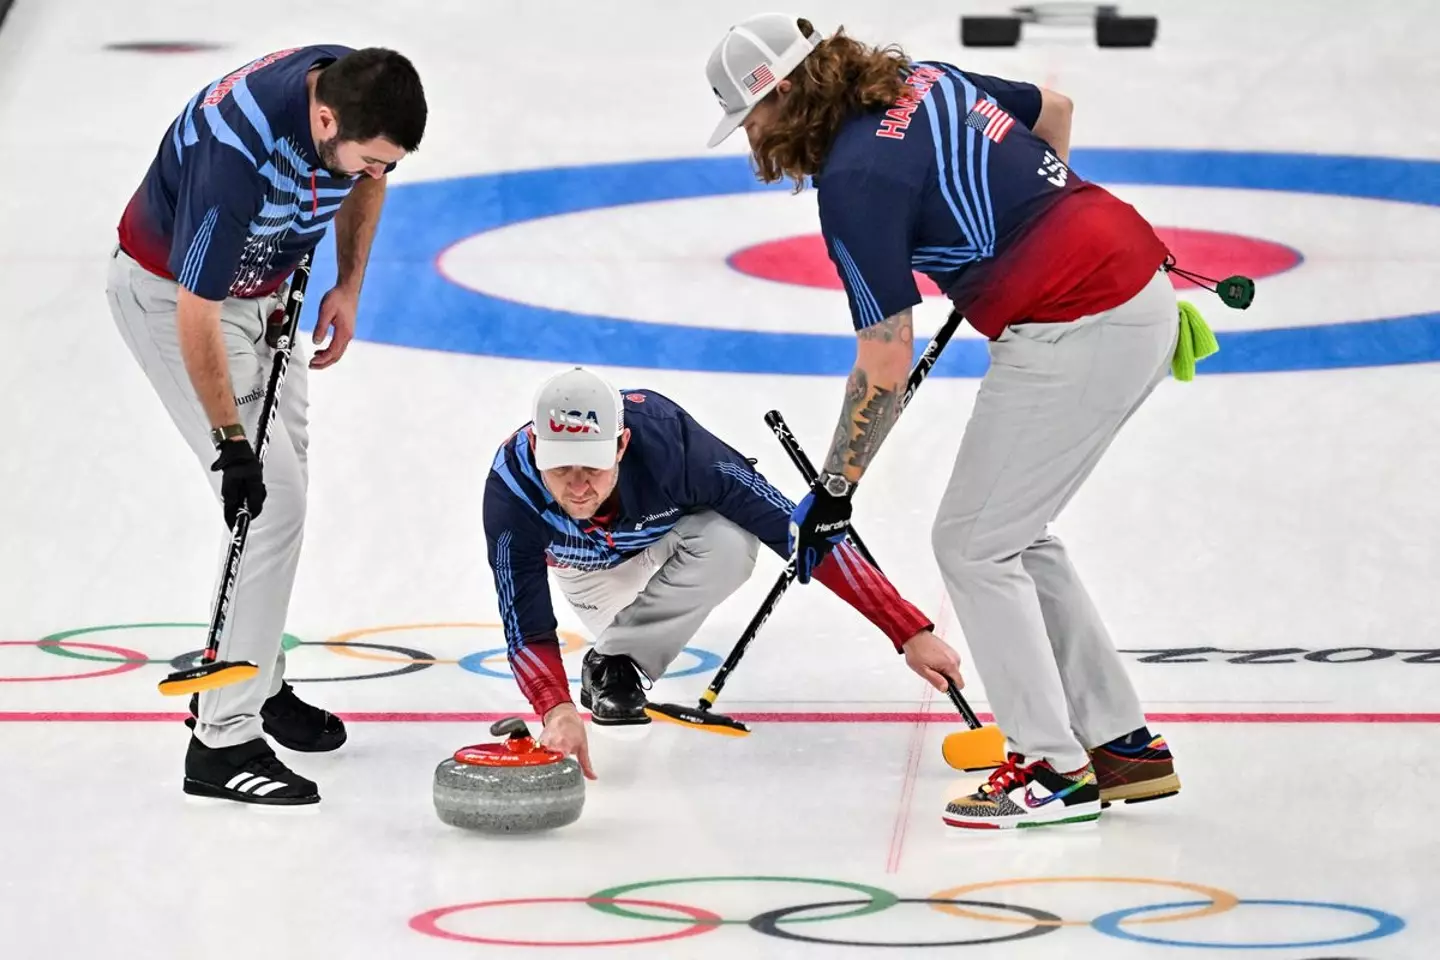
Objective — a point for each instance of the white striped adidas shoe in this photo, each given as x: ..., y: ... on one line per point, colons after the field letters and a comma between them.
x: 248, y: 773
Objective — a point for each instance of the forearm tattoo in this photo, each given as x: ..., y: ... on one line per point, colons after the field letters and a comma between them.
x: 875, y: 419
x: 870, y: 410
x: 898, y: 327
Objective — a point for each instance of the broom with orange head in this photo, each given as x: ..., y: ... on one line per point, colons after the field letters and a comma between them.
x: 978, y: 748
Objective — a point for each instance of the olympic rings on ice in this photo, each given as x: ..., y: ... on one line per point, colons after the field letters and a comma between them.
x: 60, y: 644
x: 417, y: 660
x: 785, y: 922
x: 127, y: 660
x: 427, y: 923
x: 1220, y: 900
x: 475, y: 663
x: 1043, y: 922
x: 570, y: 642
x: 490, y: 663
x: 1385, y: 925
x: 879, y: 899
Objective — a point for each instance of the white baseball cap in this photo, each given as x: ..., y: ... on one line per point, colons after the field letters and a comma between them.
x: 751, y: 61
x: 578, y: 421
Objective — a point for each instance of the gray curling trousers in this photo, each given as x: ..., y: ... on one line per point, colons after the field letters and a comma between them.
x: 143, y: 306
x: 1054, y: 398
x: 649, y: 607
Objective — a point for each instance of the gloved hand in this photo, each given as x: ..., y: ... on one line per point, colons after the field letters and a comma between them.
x: 243, y: 481
x: 818, y: 524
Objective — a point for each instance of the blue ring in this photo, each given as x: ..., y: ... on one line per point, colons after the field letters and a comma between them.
x: 409, y: 303
x: 475, y: 663
x: 1385, y: 925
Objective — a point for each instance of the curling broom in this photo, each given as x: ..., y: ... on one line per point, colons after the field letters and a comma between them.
x: 701, y: 717
x: 978, y: 748
x: 213, y: 673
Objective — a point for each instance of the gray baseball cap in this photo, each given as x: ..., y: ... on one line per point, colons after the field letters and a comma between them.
x: 750, y: 61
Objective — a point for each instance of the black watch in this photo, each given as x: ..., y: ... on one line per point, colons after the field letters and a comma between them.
x: 228, y: 432
x: 835, y: 484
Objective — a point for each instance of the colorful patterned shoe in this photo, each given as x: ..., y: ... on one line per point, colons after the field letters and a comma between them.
x: 1028, y: 795
x: 1135, y: 768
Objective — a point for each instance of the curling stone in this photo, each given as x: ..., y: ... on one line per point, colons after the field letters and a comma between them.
x: 514, y: 786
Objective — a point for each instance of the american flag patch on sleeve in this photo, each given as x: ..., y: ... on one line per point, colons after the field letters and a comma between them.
x: 990, y: 120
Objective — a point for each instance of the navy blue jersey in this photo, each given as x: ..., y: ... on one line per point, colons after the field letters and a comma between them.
x: 672, y: 466
x: 237, y: 193
x: 949, y: 182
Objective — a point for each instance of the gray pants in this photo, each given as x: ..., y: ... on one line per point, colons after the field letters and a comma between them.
x: 1054, y: 398
x: 144, y: 306
x: 649, y: 607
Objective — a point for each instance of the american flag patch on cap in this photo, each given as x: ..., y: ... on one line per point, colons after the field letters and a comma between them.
x: 990, y: 120
x: 762, y: 76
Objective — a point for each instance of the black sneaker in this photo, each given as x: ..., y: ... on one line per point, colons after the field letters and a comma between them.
x: 296, y: 725
x: 293, y: 723
x: 247, y: 773
x: 610, y: 688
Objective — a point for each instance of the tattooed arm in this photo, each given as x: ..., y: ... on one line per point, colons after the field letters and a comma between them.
x: 868, y: 218
x: 872, y: 395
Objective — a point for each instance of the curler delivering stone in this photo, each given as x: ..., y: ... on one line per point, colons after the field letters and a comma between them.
x: 514, y: 786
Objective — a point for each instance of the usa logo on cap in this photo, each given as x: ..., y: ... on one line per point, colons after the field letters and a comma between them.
x: 573, y: 421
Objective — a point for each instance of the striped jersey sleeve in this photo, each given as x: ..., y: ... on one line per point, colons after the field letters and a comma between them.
x: 712, y: 475
x: 220, y: 193
x: 868, y: 221
x: 515, y: 544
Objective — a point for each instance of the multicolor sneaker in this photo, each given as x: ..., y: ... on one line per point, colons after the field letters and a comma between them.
x: 1135, y: 768
x: 1028, y: 795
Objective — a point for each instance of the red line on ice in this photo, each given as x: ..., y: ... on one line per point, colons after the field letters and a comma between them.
x: 789, y: 716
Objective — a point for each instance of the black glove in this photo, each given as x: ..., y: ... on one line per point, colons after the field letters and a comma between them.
x: 819, y: 523
x: 243, y: 482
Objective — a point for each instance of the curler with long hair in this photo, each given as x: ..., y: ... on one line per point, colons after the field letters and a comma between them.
x: 841, y: 78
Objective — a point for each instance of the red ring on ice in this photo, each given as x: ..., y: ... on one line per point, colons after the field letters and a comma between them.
x: 703, y: 922
x: 134, y: 661
x: 802, y: 261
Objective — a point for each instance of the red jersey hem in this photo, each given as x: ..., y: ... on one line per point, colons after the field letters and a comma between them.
x: 1089, y: 253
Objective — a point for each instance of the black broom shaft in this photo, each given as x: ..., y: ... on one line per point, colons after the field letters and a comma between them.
x: 802, y: 462
x: 752, y: 630
x: 294, y: 304
x: 797, y: 454
x: 971, y: 721
x: 918, y: 374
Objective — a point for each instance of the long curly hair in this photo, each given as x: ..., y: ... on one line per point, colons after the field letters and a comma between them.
x: 840, y: 78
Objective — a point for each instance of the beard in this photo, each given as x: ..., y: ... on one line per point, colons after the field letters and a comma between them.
x: 330, y: 155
